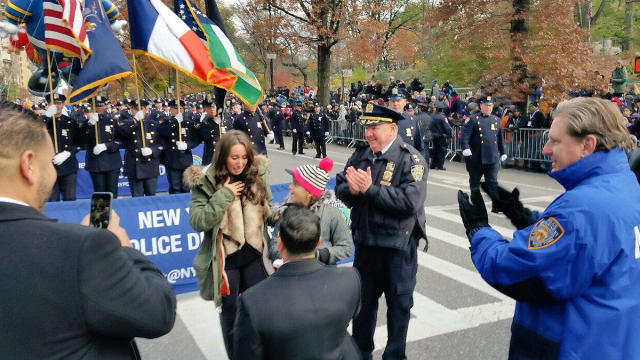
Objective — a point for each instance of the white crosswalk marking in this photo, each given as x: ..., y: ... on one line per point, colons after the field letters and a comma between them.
x: 430, y: 318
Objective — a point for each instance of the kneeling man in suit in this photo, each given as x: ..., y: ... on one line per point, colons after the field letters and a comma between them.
x: 302, y: 311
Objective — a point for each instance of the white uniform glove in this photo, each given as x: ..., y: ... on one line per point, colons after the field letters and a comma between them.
x: 181, y: 145
x: 61, y: 157
x: 295, y: 131
x: 466, y: 152
x: 99, y: 149
x: 270, y: 137
x: 308, y: 133
x: 7, y: 28
x: 202, y: 117
x: 118, y: 26
x: 145, y: 151
x: 51, y: 110
x: 277, y: 263
x: 93, y: 119
x: 178, y: 117
x: 326, y: 133
x: 139, y: 115
x: 503, y: 157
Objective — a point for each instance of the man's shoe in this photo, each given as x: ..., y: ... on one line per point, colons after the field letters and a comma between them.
x: 442, y: 168
x: 300, y: 153
x: 317, y: 156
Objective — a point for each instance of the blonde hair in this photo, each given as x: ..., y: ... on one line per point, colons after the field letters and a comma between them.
x: 598, y: 117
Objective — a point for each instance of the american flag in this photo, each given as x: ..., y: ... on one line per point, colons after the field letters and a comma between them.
x: 64, y: 28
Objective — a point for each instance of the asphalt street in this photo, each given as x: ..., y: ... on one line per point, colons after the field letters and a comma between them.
x: 456, y: 315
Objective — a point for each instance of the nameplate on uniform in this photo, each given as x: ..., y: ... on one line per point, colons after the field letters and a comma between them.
x: 544, y: 233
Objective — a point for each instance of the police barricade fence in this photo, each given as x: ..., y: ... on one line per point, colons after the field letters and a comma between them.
x: 158, y: 226
x: 519, y: 144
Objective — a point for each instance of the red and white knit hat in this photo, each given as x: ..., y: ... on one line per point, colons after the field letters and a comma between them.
x: 313, y: 178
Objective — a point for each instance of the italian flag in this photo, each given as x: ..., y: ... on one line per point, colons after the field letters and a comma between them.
x: 223, y: 54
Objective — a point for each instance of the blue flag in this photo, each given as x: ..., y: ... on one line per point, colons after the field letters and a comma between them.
x: 106, y: 63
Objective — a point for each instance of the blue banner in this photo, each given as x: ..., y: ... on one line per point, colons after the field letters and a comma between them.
x: 158, y: 226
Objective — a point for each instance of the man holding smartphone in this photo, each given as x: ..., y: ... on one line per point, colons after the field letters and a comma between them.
x: 68, y: 291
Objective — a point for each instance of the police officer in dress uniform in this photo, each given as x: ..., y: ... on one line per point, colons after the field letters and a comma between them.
x: 66, y: 137
x: 141, y: 159
x: 250, y: 123
x: 441, y: 133
x: 277, y: 119
x: 156, y: 112
x: 319, y: 128
x: 385, y: 184
x: 297, y: 129
x: 210, y: 130
x: 407, y: 127
x: 103, y: 161
x: 482, y: 147
x: 180, y: 136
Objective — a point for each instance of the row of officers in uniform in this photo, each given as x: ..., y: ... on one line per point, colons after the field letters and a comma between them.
x: 156, y: 134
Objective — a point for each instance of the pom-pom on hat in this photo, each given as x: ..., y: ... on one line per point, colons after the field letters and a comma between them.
x: 313, y: 178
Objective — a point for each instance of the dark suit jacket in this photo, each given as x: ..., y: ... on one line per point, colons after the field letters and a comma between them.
x: 72, y: 292
x: 301, y: 312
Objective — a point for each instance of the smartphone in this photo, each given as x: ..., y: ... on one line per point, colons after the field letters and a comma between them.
x: 100, y: 213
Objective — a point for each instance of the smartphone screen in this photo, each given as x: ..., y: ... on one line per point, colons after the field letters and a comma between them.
x: 100, y: 209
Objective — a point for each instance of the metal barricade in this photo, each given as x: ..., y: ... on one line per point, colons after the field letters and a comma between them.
x: 338, y: 132
x: 357, y: 134
x: 519, y: 144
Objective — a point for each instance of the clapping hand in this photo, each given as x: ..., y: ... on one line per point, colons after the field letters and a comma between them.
x: 358, y: 180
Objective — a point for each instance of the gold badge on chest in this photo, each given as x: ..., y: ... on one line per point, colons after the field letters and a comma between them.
x: 388, y: 174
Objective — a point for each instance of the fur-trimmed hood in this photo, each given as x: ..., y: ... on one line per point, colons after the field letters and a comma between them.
x: 194, y: 173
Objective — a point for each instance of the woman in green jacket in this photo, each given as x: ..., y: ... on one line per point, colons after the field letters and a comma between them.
x: 230, y: 204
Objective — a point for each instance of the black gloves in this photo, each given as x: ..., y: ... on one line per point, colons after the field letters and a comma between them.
x: 510, y: 205
x: 474, y: 214
x: 323, y: 255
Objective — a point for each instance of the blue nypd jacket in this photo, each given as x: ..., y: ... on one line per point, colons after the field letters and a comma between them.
x: 575, y: 273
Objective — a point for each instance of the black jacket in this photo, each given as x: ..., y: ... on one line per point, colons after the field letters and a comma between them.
x: 302, y: 311
x: 72, y: 292
x: 393, y: 208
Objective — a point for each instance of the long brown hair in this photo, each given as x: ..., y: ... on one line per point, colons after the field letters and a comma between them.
x: 249, y: 175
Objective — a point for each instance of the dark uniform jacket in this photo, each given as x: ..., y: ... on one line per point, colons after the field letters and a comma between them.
x: 481, y: 134
x: 170, y: 132
x: 137, y: 166
x: 297, y: 121
x: 252, y: 126
x: 67, y: 137
x: 318, y: 125
x: 440, y: 126
x: 73, y: 292
x: 393, y: 207
x: 277, y: 119
x: 286, y: 316
x: 210, y: 133
x: 409, y: 132
x: 107, y: 132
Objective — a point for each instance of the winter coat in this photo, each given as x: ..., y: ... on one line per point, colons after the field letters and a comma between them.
x: 333, y: 229
x: 206, y: 213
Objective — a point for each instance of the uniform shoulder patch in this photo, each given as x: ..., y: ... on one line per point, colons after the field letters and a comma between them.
x: 544, y: 233
x: 417, y: 172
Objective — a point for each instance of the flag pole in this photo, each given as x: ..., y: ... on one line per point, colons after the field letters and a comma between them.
x: 53, y: 119
x: 135, y: 78
x: 178, y: 103
x: 95, y: 126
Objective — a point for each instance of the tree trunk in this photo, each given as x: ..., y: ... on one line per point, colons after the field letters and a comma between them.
x: 628, y: 25
x: 518, y: 32
x: 595, y: 16
x: 324, y: 71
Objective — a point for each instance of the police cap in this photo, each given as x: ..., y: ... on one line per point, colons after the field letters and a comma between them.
x: 375, y: 114
x: 487, y: 100
x: 398, y: 93
x: 101, y: 100
x: 59, y: 98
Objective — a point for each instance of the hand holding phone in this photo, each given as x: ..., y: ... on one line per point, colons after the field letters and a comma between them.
x: 100, y: 211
